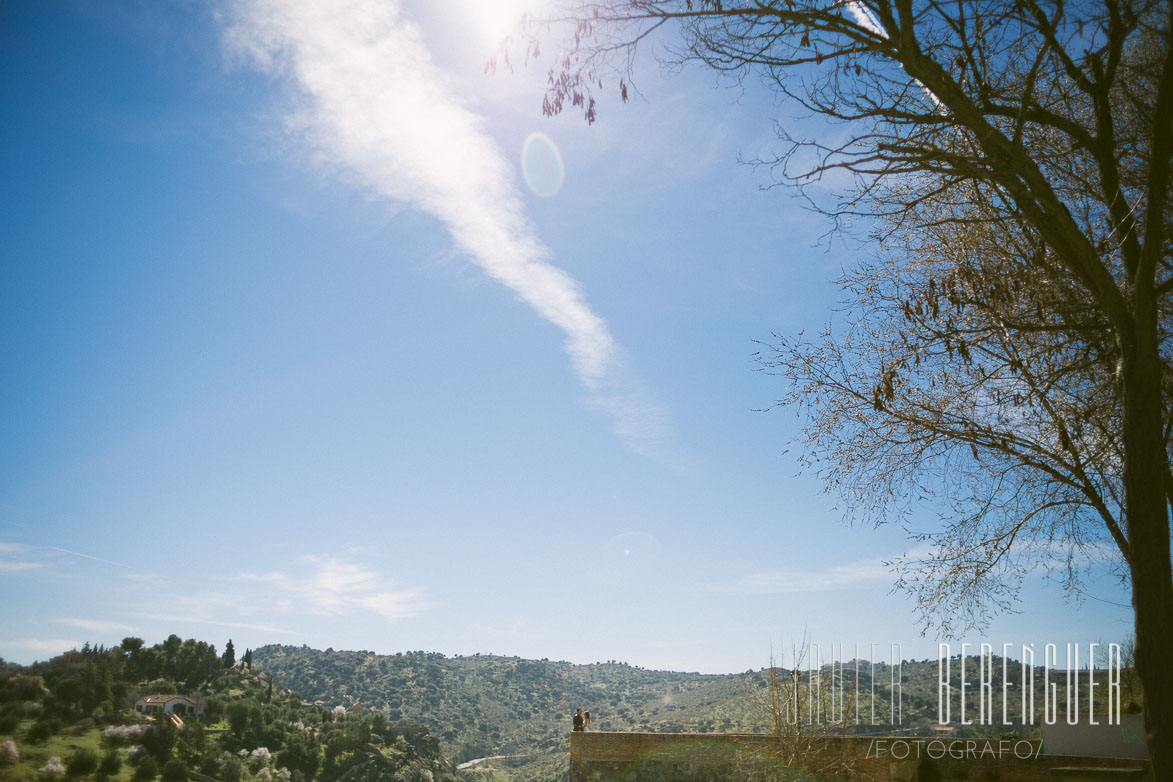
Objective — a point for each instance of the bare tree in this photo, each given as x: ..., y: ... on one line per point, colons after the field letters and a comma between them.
x: 967, y: 373
x: 806, y: 711
x: 801, y: 734
x: 1007, y: 346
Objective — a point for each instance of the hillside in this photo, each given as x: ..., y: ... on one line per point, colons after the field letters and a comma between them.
x: 422, y: 713
x: 81, y: 716
x: 487, y: 705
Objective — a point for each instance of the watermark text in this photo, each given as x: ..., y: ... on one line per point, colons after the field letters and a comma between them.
x: 957, y: 749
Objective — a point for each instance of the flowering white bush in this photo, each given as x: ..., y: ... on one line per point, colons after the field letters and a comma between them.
x: 244, y: 753
x: 8, y: 751
x: 264, y: 773
x: 340, y: 711
x: 117, y: 733
x: 53, y: 766
x: 137, y: 750
x: 262, y: 753
x: 283, y: 773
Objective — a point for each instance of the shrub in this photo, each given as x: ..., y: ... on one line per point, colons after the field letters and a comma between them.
x: 53, y: 767
x: 159, y: 739
x: 83, y: 726
x: 25, y: 710
x: 175, y: 770
x: 209, y: 764
x: 146, y: 769
x: 40, y: 731
x: 213, y: 708
x: 29, y: 688
x: 82, y: 762
x: 111, y: 763
x: 230, y: 770
x: 8, y: 752
x: 118, y: 734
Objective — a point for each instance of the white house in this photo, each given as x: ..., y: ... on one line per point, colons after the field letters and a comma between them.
x: 170, y: 704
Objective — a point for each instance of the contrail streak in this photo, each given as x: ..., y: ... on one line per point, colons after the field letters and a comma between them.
x: 375, y: 106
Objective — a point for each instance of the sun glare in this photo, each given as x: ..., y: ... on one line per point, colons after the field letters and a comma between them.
x: 496, y: 19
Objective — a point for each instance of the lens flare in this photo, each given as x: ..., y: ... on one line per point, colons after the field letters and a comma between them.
x: 541, y: 165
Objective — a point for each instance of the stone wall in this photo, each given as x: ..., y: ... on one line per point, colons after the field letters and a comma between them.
x: 717, y: 757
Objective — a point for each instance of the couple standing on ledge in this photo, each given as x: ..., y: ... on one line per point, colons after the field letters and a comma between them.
x: 582, y: 721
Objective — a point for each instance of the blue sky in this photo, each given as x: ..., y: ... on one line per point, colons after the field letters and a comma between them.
x: 293, y: 352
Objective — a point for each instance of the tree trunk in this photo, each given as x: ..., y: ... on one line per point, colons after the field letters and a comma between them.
x: 1147, y: 512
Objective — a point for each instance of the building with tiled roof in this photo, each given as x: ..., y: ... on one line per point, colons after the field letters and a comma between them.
x: 170, y: 704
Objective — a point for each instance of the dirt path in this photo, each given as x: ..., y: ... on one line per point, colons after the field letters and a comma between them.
x: 477, y: 761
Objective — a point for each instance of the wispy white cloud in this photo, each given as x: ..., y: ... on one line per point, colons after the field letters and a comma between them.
x: 11, y: 566
x: 189, y: 619
x: 231, y: 607
x: 271, y: 602
x: 50, y: 646
x: 776, y: 582
x: 333, y: 585
x: 16, y: 565
x: 374, y: 106
x: 96, y: 625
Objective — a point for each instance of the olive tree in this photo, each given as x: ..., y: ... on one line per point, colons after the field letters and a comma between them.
x: 1006, y: 344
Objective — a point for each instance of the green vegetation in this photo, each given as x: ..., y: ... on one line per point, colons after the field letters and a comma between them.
x: 74, y: 718
x: 393, y: 717
x: 481, y: 705
x: 484, y: 705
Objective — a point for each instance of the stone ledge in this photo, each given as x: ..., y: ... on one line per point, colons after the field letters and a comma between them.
x: 1094, y: 773
x: 708, y: 757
